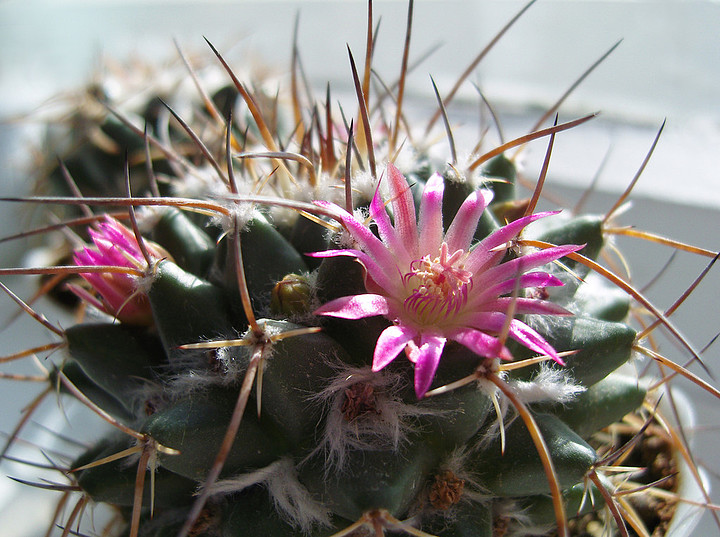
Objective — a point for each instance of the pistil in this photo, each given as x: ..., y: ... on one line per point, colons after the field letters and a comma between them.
x: 437, y: 288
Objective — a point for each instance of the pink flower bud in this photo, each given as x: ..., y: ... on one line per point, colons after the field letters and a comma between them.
x: 120, y: 294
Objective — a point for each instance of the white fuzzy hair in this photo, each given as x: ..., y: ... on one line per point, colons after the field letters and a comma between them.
x: 387, y: 429
x: 550, y: 384
x: 292, y: 500
x: 519, y: 522
x: 344, y: 239
x: 149, y: 216
x: 191, y: 374
x: 241, y: 212
x: 457, y: 464
x: 191, y: 382
x: 364, y: 184
x: 233, y: 359
x: 198, y: 183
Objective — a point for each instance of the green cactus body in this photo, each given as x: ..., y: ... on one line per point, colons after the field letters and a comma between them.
x: 379, y: 469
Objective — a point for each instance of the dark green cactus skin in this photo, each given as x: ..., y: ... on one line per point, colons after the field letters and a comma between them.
x: 518, y: 471
x: 131, y: 373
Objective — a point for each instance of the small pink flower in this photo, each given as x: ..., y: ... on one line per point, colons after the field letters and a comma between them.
x: 116, y: 245
x: 436, y: 286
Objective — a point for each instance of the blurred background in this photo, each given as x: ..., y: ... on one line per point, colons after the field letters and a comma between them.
x: 667, y: 67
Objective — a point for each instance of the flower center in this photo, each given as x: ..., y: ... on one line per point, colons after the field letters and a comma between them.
x: 437, y: 288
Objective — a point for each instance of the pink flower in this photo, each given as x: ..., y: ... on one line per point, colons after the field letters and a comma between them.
x: 116, y: 245
x: 436, y: 286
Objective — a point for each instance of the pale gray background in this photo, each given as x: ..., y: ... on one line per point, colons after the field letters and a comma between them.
x: 667, y: 66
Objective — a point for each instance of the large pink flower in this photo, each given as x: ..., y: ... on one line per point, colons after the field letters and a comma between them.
x: 116, y: 245
x: 435, y: 285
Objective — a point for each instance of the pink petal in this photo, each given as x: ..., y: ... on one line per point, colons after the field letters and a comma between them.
x: 482, y: 252
x: 92, y: 257
x: 120, y: 236
x: 389, y: 236
x: 526, y: 306
x: 392, y: 340
x: 354, y: 307
x: 462, y: 229
x: 114, y: 255
x: 480, y: 343
x: 532, y: 279
x: 403, y: 206
x: 114, y: 288
x: 342, y: 252
x: 426, y: 358
x: 430, y: 221
x: 113, y: 291
x: 365, y: 238
x: 82, y: 257
x: 84, y: 294
x: 114, y: 228
x: 519, y: 331
x: 521, y: 265
x: 486, y: 321
x: 388, y: 282
x: 532, y: 340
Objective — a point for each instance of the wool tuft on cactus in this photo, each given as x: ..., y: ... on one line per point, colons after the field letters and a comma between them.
x: 243, y: 277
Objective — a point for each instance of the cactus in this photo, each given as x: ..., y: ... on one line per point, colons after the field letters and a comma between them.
x: 243, y: 309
